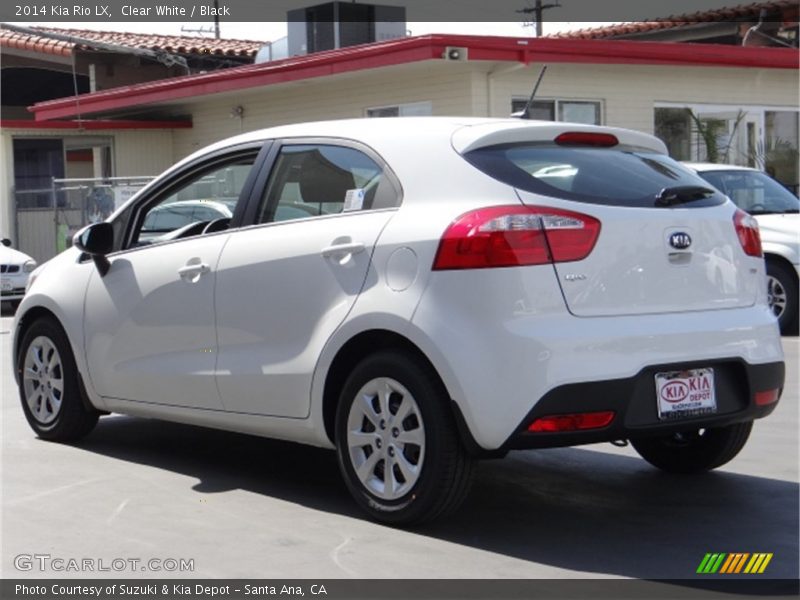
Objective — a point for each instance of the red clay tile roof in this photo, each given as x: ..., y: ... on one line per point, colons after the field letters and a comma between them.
x: 168, y: 43
x: 728, y: 13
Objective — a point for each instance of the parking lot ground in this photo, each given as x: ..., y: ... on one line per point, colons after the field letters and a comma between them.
x: 245, y: 507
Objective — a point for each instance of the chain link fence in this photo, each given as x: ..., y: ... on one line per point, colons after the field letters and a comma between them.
x: 46, y: 219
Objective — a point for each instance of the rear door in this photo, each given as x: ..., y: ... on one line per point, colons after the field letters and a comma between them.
x: 667, y: 241
x: 287, y: 282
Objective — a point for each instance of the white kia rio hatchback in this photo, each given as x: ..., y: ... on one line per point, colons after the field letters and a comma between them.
x: 417, y: 293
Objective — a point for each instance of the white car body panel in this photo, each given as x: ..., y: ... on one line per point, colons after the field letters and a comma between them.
x: 633, y: 270
x: 299, y: 297
x: 150, y: 333
x: 158, y: 346
x: 780, y: 234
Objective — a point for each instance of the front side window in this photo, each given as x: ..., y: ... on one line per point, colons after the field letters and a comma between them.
x: 317, y: 180
x: 207, y: 195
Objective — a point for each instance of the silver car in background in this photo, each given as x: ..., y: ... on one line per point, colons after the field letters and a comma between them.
x: 776, y: 210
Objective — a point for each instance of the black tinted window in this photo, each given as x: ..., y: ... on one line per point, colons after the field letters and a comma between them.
x: 596, y: 175
x: 316, y: 180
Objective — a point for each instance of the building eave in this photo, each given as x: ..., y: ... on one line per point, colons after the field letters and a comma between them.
x: 410, y: 50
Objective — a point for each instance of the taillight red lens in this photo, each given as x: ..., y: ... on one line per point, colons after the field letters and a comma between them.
x: 747, y: 230
x: 511, y: 236
x: 575, y: 422
x: 766, y: 397
x: 587, y: 138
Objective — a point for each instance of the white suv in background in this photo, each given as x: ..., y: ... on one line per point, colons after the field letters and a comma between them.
x: 417, y: 293
x: 776, y: 210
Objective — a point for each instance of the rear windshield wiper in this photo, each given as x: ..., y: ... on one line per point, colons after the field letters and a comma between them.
x: 682, y: 194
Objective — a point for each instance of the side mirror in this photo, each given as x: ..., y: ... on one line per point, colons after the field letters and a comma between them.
x: 6, y: 242
x: 96, y: 240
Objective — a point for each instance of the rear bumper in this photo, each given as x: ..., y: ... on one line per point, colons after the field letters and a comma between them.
x: 633, y: 400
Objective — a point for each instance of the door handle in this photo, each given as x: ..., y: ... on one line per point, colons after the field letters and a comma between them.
x: 193, y: 271
x: 342, y: 249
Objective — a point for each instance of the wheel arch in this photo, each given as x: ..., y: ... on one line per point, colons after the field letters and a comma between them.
x: 781, y: 259
x: 25, y: 321
x: 362, y: 345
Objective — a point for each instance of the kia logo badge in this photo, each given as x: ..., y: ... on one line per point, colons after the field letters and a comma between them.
x: 680, y: 240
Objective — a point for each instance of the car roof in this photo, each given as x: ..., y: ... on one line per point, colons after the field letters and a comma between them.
x: 472, y: 132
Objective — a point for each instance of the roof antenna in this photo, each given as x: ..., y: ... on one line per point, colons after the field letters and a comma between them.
x: 526, y: 112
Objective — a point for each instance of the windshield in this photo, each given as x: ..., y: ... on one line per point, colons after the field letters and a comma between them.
x: 612, y: 176
x: 753, y: 191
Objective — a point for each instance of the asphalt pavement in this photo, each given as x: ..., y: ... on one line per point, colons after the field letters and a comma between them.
x: 236, y: 506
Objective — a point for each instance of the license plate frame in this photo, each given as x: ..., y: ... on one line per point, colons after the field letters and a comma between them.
x: 685, y: 394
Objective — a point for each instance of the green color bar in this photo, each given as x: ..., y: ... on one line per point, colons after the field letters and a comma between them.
x: 715, y: 567
x: 702, y: 567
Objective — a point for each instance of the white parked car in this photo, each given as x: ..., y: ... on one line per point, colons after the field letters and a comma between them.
x: 776, y: 210
x: 411, y: 293
x: 15, y: 268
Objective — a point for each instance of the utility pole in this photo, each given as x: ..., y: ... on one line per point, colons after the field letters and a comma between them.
x: 537, y: 10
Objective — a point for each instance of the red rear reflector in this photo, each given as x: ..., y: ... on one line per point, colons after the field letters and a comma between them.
x: 747, y: 230
x: 587, y: 138
x: 576, y: 422
x: 766, y: 397
x: 511, y: 236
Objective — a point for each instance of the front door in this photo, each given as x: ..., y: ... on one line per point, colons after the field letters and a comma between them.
x: 150, y: 324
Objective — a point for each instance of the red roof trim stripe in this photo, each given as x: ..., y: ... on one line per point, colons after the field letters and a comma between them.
x: 93, y: 125
x: 415, y: 49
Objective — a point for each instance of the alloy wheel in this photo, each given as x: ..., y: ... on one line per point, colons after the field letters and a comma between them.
x: 386, y: 438
x: 43, y: 380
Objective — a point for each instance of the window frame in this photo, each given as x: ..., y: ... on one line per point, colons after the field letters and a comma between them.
x: 258, y: 197
x: 132, y: 218
x: 601, y: 113
x: 399, y: 106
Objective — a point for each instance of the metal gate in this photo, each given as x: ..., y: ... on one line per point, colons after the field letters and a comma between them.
x: 46, y: 219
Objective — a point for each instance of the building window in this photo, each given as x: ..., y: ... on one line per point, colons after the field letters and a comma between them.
x: 751, y: 136
x: 412, y: 109
x: 572, y: 111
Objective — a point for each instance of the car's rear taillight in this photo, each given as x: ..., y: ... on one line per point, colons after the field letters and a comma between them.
x: 512, y: 236
x: 747, y: 230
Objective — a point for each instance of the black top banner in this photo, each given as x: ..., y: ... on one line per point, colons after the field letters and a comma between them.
x: 133, y: 11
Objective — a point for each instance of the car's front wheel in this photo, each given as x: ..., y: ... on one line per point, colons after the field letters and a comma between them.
x: 397, y: 442
x: 696, y: 450
x: 49, y: 384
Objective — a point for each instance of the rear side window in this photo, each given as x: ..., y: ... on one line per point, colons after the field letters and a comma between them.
x: 610, y: 176
x: 319, y: 179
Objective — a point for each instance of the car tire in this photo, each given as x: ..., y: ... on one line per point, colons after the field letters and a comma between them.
x: 394, y: 411
x: 782, y: 294
x: 694, y: 451
x: 50, y: 387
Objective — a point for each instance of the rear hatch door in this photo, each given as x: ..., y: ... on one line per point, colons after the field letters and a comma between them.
x: 667, y: 241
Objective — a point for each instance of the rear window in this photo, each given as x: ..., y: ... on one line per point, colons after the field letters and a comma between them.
x: 610, y: 176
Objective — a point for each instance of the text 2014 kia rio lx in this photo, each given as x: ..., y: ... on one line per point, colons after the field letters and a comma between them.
x: 416, y: 293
